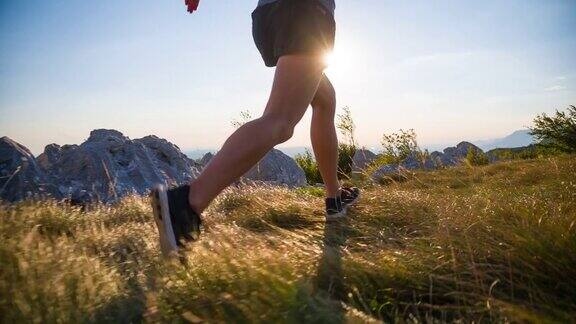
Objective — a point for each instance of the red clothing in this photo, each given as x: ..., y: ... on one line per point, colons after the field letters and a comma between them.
x: 192, y: 5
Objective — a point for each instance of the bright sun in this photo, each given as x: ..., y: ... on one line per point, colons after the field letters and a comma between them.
x: 337, y: 62
x: 329, y: 59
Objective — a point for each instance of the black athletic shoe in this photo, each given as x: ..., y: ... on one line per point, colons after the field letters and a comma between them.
x: 349, y: 196
x: 336, y: 208
x: 177, y: 222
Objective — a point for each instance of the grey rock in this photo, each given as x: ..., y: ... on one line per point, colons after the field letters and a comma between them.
x: 385, y: 170
x: 169, y: 158
x: 277, y: 168
x: 362, y: 159
x: 109, y: 166
x: 20, y: 175
x: 455, y: 155
x: 206, y: 158
x: 452, y: 156
x: 436, y: 158
x: 414, y: 161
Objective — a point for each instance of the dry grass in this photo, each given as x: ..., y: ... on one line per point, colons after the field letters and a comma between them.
x: 484, y: 244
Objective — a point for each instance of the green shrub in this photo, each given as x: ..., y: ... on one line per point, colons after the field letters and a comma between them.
x: 476, y: 157
x: 345, y: 160
x: 396, y: 147
x: 308, y: 164
x: 557, y: 131
x: 533, y: 151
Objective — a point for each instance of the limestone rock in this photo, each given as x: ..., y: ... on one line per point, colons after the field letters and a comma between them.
x: 455, y: 155
x: 109, y: 166
x: 452, y: 156
x: 277, y: 168
x: 362, y: 159
x: 20, y: 175
x: 206, y: 158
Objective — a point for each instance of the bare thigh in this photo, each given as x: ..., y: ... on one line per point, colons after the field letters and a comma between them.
x: 295, y: 84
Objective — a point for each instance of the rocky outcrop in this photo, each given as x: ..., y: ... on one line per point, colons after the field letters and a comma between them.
x: 205, y: 159
x: 109, y: 166
x: 455, y: 155
x: 170, y: 158
x: 20, y: 175
x: 277, y: 168
x: 451, y: 156
x: 362, y: 159
x: 414, y: 161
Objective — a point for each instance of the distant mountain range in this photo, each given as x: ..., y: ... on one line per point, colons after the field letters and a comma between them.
x: 517, y: 139
x: 290, y: 151
x: 198, y: 153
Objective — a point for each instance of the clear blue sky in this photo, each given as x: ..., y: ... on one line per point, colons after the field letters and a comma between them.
x: 452, y: 70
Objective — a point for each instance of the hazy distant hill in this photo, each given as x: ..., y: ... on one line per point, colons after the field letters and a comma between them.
x: 290, y: 151
x: 198, y: 153
x: 517, y: 139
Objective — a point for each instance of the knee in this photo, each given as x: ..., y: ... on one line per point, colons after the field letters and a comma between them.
x: 284, y: 132
x: 281, y: 129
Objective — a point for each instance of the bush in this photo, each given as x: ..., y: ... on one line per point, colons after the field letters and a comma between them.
x: 398, y: 146
x: 533, y: 151
x: 308, y: 164
x: 476, y: 157
x: 345, y: 160
x: 557, y: 131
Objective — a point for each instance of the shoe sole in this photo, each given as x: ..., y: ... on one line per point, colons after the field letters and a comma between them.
x: 159, y: 201
x: 342, y: 214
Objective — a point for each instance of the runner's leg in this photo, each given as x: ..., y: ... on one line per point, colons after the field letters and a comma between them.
x: 323, y: 136
x: 295, y: 83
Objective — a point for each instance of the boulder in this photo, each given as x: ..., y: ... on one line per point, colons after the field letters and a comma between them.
x: 20, y: 175
x: 414, y: 161
x: 109, y: 166
x: 385, y: 170
x: 52, y: 153
x: 206, y: 158
x: 169, y: 158
x: 362, y: 159
x: 277, y: 168
x: 455, y: 155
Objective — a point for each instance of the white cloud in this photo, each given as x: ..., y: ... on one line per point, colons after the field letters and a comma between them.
x: 555, y: 88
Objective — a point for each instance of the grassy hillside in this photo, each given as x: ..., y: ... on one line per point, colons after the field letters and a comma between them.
x: 494, y: 243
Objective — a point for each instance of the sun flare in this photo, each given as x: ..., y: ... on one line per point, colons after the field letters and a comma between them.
x: 329, y: 59
x: 337, y: 62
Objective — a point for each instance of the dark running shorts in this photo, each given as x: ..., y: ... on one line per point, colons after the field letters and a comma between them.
x: 292, y: 27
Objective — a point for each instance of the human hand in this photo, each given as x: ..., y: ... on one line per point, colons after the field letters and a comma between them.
x: 192, y: 5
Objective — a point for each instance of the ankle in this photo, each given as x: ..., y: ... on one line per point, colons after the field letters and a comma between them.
x: 195, y: 201
x: 333, y: 194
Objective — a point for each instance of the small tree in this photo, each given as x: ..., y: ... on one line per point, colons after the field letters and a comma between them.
x: 476, y: 157
x: 346, y: 126
x: 558, y: 131
x: 398, y: 146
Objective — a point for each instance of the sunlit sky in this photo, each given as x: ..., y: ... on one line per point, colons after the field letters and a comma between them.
x: 452, y: 70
